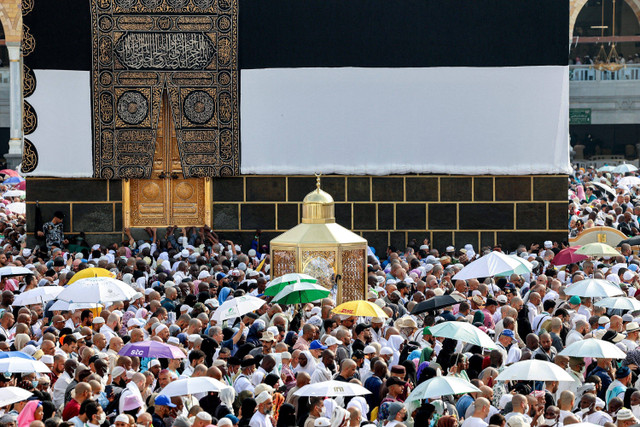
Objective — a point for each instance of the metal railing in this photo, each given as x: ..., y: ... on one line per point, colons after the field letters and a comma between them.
x: 585, y: 73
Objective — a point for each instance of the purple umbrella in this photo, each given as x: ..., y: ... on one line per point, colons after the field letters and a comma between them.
x: 152, y: 349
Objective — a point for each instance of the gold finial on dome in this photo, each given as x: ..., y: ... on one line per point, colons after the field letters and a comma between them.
x: 318, y: 206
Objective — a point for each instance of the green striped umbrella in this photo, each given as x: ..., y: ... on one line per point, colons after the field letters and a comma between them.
x: 279, y: 283
x: 301, y: 293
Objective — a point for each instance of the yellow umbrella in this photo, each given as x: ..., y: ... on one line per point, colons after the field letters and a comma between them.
x: 91, y: 272
x: 359, y: 308
x: 597, y: 250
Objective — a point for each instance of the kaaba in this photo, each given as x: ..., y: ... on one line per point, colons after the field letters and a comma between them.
x: 427, y: 119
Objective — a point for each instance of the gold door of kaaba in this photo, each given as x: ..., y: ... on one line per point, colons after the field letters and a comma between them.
x: 167, y: 198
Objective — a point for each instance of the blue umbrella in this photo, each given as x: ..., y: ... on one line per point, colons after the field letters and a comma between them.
x: 6, y: 354
x: 13, y: 180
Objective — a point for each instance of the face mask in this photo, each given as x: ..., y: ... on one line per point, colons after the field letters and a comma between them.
x: 323, y: 411
x: 550, y: 421
x: 34, y: 383
x: 636, y: 410
x: 102, y: 419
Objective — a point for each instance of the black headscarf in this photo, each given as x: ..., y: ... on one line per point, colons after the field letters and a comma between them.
x: 248, y: 407
x: 286, y: 416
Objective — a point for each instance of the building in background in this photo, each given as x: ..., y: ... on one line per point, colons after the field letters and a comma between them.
x: 605, y: 81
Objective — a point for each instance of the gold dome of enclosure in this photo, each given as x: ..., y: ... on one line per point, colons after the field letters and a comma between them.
x: 318, y: 206
x: 320, y: 247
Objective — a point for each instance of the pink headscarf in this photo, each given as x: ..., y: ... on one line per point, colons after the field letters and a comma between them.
x: 28, y: 413
x: 580, y: 192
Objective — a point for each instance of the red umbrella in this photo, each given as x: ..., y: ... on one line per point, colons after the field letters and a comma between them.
x: 568, y: 256
x: 9, y: 172
x: 21, y: 185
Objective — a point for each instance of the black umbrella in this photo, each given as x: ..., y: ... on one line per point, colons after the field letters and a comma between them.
x: 437, y: 302
x: 634, y: 241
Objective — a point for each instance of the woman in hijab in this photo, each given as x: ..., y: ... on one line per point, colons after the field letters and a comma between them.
x: 223, y: 295
x: 287, y: 416
x: 21, y: 341
x: 475, y: 366
x: 290, y: 339
x: 426, y: 374
x: 246, y: 412
x: 410, y: 376
x: 255, y: 333
x: 32, y: 411
x: 448, y: 347
x: 395, y: 342
x: 306, y: 363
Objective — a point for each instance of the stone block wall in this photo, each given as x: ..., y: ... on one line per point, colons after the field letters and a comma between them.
x: 386, y: 210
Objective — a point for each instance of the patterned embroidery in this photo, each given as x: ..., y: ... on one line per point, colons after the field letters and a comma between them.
x: 188, y: 48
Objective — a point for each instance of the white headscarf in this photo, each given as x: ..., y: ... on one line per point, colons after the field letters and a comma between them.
x: 311, y: 364
x: 339, y: 416
x: 395, y: 341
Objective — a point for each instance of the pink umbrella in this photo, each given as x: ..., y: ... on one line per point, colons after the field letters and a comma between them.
x: 568, y: 256
x: 152, y: 349
x: 21, y: 185
x: 9, y: 172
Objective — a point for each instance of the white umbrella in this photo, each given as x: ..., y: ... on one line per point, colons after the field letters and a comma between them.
x: 441, y: 386
x: 597, y: 249
x: 629, y: 181
x: 534, y: 370
x: 9, y: 395
x: 192, y: 386
x: 604, y: 187
x: 620, y: 303
x: 237, y: 307
x: 17, y: 207
x: 38, y: 295
x: 12, y: 270
x: 487, y: 266
x: 20, y: 365
x: 606, y: 168
x: 593, y: 288
x: 97, y: 289
x: 332, y: 388
x: 71, y: 306
x: 624, y: 168
x: 463, y: 331
x: 592, y: 347
x: 525, y: 267
x: 14, y: 193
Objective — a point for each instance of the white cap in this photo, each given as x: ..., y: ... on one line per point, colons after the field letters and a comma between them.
x: 204, y: 416
x: 548, y: 244
x: 331, y: 341
x: 285, y: 355
x: 263, y: 397
x: 117, y: 371
x: 193, y: 337
x: 184, y: 307
x: 321, y: 422
x: 122, y: 418
x: 450, y: 249
x: 173, y: 340
x: 203, y: 275
x: 154, y: 362
x: 184, y: 253
x: 47, y: 359
x: 97, y: 320
x: 252, y: 252
x: 387, y: 351
x: 159, y: 328
x: 26, y: 252
x: 135, y: 322
x: 369, y: 349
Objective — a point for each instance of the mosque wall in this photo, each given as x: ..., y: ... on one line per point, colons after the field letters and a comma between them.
x: 386, y: 210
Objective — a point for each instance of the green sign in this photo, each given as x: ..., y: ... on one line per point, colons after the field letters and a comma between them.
x: 580, y: 116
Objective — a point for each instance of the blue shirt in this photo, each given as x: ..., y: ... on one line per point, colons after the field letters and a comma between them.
x: 463, y: 404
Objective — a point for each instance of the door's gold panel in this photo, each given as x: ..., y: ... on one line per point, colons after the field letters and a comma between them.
x: 167, y: 198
